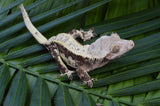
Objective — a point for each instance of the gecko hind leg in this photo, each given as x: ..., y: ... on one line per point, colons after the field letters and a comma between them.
x: 63, y: 68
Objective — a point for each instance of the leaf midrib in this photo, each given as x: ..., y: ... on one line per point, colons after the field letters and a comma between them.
x: 58, y: 82
x: 17, y: 88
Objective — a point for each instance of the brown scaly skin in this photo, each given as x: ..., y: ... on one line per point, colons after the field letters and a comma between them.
x: 84, y: 58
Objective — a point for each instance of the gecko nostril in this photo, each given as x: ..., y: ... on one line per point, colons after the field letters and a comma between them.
x: 131, y: 43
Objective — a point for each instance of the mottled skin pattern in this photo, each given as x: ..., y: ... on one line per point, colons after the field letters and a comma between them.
x: 65, y: 48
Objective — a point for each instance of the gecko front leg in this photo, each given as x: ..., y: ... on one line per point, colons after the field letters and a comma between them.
x: 83, y: 75
x: 84, y: 35
x: 63, y: 68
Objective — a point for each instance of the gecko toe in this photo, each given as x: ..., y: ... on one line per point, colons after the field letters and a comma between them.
x: 70, y: 77
x: 58, y: 76
x: 90, y: 84
x: 69, y: 74
x: 94, y: 79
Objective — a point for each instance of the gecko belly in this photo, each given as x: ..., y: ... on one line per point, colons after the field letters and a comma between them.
x: 69, y: 60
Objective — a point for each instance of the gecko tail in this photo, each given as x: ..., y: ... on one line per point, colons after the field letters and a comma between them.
x: 36, y: 34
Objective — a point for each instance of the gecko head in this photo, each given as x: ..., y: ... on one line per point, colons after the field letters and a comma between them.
x: 118, y: 46
x: 110, y: 47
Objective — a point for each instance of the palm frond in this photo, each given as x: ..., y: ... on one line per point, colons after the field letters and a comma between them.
x: 28, y: 72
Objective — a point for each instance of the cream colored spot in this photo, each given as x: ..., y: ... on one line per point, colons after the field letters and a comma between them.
x: 71, y: 61
x: 82, y: 75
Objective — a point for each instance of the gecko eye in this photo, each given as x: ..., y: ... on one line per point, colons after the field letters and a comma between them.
x: 115, y: 49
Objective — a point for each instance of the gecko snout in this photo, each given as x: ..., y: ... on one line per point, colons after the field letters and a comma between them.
x: 131, y: 44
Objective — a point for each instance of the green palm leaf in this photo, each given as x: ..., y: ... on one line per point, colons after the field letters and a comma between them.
x: 63, y: 97
x: 4, y: 79
x: 18, y: 90
x: 40, y: 95
x: 86, y: 100
x: 28, y: 72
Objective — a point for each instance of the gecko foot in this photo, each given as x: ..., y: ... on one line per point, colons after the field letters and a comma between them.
x: 69, y: 74
x: 90, y: 83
